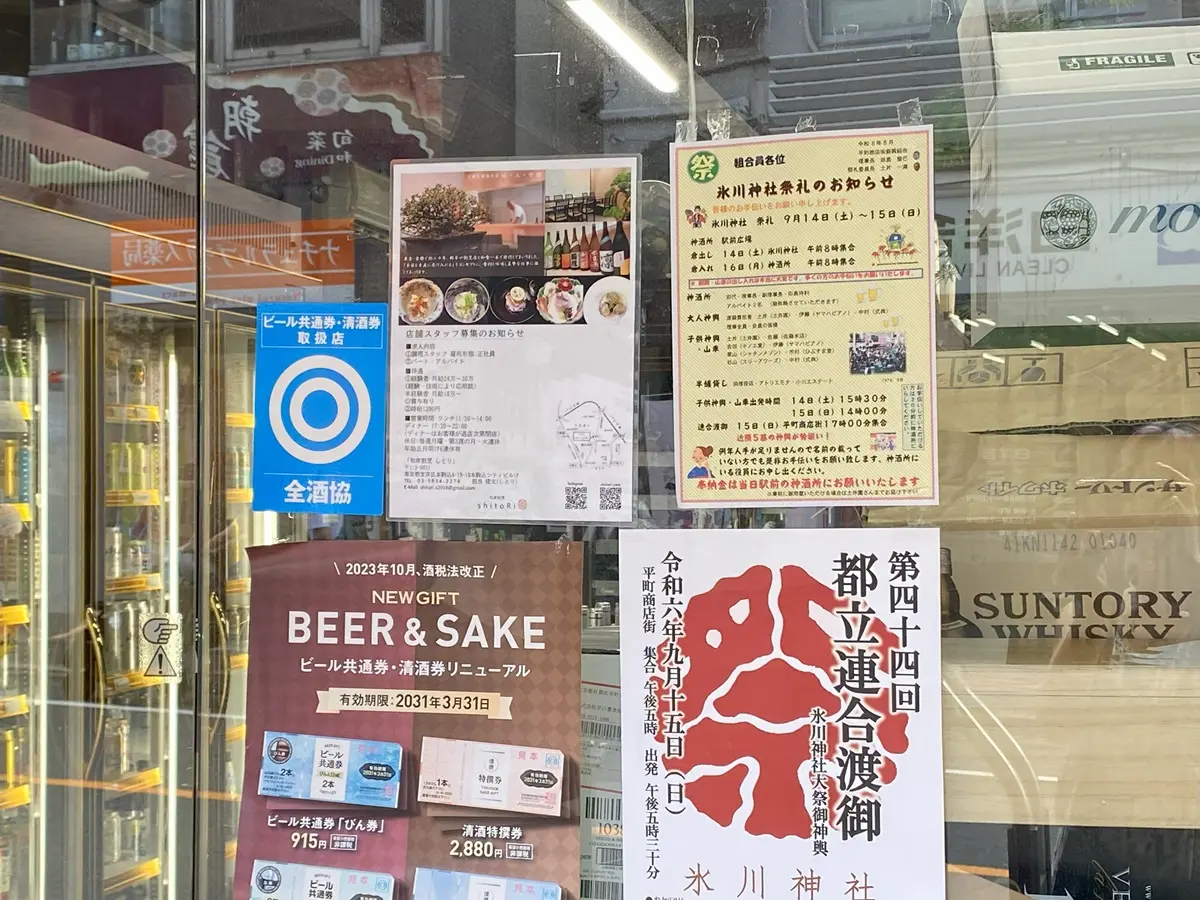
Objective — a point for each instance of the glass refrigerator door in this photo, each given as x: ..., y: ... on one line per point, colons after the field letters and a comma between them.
x: 237, y: 527
x: 41, y: 448
x: 143, y: 759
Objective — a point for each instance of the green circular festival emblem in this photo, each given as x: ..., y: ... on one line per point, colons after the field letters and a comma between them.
x: 703, y: 166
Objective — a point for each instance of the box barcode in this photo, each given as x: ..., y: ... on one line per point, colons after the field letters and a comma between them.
x: 605, y: 731
x: 591, y: 889
x: 610, y: 856
x: 607, y: 809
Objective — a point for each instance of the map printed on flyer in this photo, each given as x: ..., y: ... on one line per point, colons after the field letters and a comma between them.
x: 803, y: 311
x: 514, y: 320
x: 781, y: 705
x: 601, y: 851
x: 410, y: 706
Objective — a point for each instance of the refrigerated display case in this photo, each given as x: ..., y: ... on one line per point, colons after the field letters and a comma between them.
x: 238, y: 526
x: 140, y: 757
x: 23, y: 579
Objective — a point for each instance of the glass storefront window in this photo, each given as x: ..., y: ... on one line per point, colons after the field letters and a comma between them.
x: 157, y: 192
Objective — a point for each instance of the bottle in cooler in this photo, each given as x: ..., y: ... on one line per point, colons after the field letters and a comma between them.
x: 243, y: 452
x: 22, y: 383
x: 6, y: 387
x: 131, y: 559
x: 232, y: 482
x: 113, y: 552
x: 125, y: 472
x: 142, y: 549
x: 112, y: 836
x: 135, y: 383
x: 139, y: 466
x: 112, y: 375
x: 240, y: 378
x: 112, y: 467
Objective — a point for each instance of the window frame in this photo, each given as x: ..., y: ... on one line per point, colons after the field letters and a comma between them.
x: 833, y: 41
x: 369, y: 42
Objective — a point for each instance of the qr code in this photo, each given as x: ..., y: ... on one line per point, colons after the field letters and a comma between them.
x: 576, y: 496
x: 610, y: 497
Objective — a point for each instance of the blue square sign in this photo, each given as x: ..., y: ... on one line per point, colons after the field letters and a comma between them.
x: 320, y: 376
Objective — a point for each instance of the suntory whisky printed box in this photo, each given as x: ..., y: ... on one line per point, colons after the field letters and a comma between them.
x: 439, y: 884
x: 525, y: 780
x: 290, y: 881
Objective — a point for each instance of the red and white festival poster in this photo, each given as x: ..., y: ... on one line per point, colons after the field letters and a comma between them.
x: 781, y: 709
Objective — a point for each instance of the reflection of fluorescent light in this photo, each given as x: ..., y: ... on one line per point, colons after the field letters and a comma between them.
x: 987, y: 321
x: 622, y: 43
x: 1104, y: 326
x: 1135, y: 342
x: 972, y: 323
x: 1158, y: 354
x: 1038, y: 345
x: 1091, y: 318
x: 993, y: 358
x: 1076, y: 320
x: 958, y: 323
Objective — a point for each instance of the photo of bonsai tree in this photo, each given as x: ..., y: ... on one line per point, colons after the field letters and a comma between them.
x: 442, y: 211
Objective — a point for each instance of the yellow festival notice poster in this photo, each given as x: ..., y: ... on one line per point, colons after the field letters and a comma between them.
x: 803, y: 316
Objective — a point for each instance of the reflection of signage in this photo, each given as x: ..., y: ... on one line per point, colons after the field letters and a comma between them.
x: 1099, y: 583
x: 1068, y: 221
x: 270, y: 128
x: 312, y: 260
x: 1115, y: 61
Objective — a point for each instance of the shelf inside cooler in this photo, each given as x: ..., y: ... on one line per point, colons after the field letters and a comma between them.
x: 132, y: 498
x: 119, y: 876
x: 235, y: 733
x: 16, y: 705
x: 237, y: 586
x: 131, y: 584
x: 14, y: 797
x: 23, y: 510
x: 132, y: 414
x: 239, y: 495
x: 239, y: 420
x: 15, y: 415
x: 15, y: 614
x: 124, y: 682
x: 136, y: 782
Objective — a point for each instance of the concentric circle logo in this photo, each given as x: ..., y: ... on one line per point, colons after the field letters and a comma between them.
x: 310, y: 377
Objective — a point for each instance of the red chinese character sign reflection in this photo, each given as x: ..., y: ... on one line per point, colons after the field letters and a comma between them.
x: 782, y: 714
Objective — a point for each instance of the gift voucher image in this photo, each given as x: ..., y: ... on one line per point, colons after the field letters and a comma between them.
x: 412, y: 705
x: 289, y: 881
x: 438, y: 884
x: 491, y: 776
x: 336, y: 770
